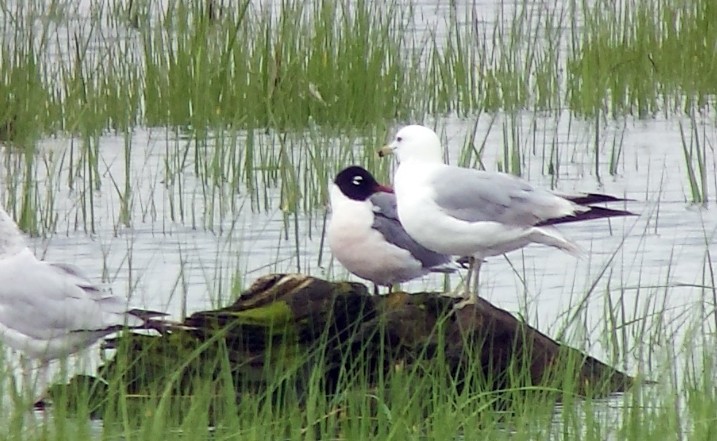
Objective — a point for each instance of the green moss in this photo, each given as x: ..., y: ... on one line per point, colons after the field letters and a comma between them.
x: 274, y: 315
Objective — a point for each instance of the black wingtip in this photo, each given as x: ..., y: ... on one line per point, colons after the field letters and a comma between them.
x: 594, y: 198
x: 155, y: 320
x: 443, y: 270
x: 591, y: 214
x: 146, y: 314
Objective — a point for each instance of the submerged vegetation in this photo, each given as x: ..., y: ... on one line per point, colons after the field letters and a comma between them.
x: 117, y: 113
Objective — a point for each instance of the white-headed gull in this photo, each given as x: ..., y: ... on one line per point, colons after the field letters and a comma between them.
x: 364, y: 233
x: 50, y: 310
x: 467, y: 212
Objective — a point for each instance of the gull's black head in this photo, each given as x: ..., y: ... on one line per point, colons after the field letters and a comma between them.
x: 358, y: 184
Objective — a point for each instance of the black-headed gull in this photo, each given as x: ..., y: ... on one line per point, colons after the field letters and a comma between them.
x: 467, y: 212
x: 364, y: 233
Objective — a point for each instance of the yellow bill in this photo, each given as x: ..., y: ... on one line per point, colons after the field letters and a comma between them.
x: 385, y: 151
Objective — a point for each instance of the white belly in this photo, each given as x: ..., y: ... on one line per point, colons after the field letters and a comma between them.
x: 430, y: 226
x: 364, y: 252
x: 48, y: 349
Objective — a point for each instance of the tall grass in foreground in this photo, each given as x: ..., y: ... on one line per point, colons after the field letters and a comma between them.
x: 417, y: 402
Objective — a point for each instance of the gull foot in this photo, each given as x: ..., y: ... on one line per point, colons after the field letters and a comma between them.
x: 41, y: 404
x: 455, y: 294
x: 472, y: 300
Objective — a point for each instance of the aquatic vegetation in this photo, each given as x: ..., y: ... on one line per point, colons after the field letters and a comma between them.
x: 257, y: 66
x: 140, y: 125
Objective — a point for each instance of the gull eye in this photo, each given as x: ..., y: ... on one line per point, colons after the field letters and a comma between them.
x: 399, y: 139
x: 357, y: 180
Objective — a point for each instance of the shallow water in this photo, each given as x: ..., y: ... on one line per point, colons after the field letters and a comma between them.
x: 163, y: 262
x: 649, y: 266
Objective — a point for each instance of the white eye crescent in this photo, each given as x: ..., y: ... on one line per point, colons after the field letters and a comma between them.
x: 357, y: 180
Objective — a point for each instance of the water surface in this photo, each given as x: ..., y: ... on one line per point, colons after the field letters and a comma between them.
x: 189, y: 242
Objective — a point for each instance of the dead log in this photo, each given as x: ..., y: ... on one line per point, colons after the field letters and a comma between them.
x: 285, y: 325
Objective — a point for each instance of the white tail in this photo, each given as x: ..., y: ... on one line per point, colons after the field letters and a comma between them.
x: 551, y: 236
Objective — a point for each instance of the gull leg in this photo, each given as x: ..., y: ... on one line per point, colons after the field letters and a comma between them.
x: 30, y: 385
x: 476, y: 269
x: 467, y: 290
x: 471, y: 295
x: 43, y: 380
x: 26, y: 366
x: 458, y: 292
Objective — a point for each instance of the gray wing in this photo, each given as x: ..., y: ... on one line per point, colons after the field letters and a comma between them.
x: 109, y: 302
x: 92, y: 291
x: 42, y: 300
x: 71, y: 271
x: 479, y: 196
x: 386, y: 222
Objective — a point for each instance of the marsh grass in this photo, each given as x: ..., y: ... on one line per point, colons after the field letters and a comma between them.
x: 250, y: 66
x: 250, y: 87
x: 197, y: 401
x: 254, y: 66
x: 282, y: 68
x: 696, y: 163
x: 258, y: 108
x: 642, y: 58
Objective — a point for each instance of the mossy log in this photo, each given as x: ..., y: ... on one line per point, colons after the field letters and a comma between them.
x: 286, y: 325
